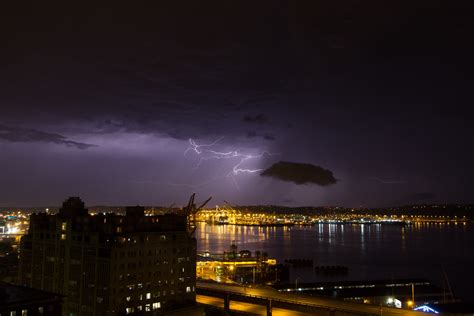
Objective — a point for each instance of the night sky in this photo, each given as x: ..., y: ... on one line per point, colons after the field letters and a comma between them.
x: 114, y: 104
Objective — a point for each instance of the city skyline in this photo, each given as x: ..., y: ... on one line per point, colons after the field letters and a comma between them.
x: 271, y: 157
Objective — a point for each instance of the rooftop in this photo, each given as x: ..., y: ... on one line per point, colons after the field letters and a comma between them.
x: 11, y: 295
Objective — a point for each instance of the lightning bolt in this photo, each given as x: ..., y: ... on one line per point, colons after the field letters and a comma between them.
x: 209, y: 154
x: 388, y: 181
x: 197, y: 148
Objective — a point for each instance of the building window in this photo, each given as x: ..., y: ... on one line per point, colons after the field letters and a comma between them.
x: 40, y: 310
x: 148, y: 296
x: 129, y: 310
x: 188, y: 289
x: 139, y: 308
x: 156, y: 305
x: 128, y: 298
x: 147, y: 308
x: 64, y: 226
x: 13, y: 313
x: 24, y: 312
x: 63, y: 236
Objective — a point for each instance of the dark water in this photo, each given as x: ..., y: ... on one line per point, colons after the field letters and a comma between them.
x: 370, y: 251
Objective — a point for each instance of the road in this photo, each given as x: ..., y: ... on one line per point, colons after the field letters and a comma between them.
x: 247, y: 307
x: 327, y: 303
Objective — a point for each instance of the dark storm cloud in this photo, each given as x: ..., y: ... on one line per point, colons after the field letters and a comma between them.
x: 268, y: 136
x: 300, y: 173
x: 265, y: 136
x: 251, y: 134
x: 258, y: 119
x: 25, y: 135
x: 212, y: 70
x: 422, y: 196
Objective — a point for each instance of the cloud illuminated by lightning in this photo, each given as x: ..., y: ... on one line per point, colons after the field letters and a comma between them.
x: 208, y: 154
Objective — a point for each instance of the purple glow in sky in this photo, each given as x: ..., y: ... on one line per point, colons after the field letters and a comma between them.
x: 118, y: 105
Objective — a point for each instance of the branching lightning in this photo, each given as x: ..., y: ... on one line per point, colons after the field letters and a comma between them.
x: 208, y: 154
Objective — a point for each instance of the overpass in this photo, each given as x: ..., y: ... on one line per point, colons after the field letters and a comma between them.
x: 271, y: 298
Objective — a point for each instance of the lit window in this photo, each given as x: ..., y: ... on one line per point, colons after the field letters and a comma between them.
x: 13, y: 313
x: 188, y: 289
x: 139, y: 307
x: 128, y: 298
x: 147, y: 308
x: 40, y: 310
x: 63, y: 226
x: 129, y: 310
x: 156, y: 305
x: 63, y: 236
x: 148, y: 296
x: 141, y: 297
x: 24, y: 312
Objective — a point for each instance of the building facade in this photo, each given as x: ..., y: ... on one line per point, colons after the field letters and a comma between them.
x: 110, y: 264
x: 19, y: 300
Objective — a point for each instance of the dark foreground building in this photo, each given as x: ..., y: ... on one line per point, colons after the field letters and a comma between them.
x: 110, y: 264
x: 19, y: 300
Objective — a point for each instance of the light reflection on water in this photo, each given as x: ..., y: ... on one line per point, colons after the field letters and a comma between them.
x: 370, y: 251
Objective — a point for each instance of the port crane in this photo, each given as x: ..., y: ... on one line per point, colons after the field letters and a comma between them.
x: 190, y: 212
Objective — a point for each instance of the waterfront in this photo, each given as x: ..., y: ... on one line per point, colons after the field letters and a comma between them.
x: 370, y: 251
